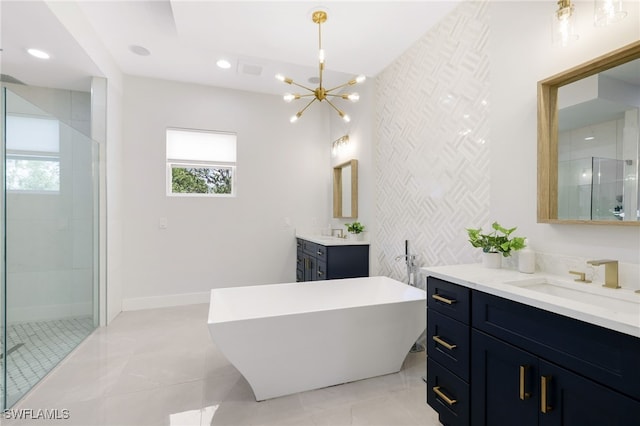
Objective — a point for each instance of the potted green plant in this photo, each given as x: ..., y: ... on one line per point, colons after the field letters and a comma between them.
x: 355, y: 230
x: 495, y: 244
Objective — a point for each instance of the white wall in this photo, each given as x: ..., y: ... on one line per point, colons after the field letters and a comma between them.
x: 432, y: 153
x: 432, y: 180
x: 521, y: 55
x: 283, y: 173
x: 111, y: 159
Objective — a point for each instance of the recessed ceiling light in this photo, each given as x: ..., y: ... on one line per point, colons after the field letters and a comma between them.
x: 139, y: 50
x: 224, y: 64
x: 37, y: 53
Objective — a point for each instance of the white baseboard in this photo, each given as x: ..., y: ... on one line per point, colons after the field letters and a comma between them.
x: 139, y: 303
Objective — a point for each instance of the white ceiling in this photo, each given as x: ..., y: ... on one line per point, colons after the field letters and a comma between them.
x: 186, y: 38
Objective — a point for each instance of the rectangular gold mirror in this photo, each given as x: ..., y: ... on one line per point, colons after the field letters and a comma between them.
x: 345, y: 190
x: 589, y: 142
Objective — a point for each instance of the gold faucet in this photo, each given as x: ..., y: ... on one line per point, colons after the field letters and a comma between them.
x: 581, y: 277
x: 610, y: 271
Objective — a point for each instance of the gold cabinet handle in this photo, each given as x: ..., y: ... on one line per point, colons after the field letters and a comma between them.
x: 443, y: 299
x: 445, y: 398
x: 544, y: 384
x: 523, y: 373
x: 441, y: 342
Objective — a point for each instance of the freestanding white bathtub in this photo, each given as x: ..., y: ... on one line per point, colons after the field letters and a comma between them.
x: 288, y: 338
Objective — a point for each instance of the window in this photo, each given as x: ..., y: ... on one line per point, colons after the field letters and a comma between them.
x: 201, y: 162
x: 32, y: 154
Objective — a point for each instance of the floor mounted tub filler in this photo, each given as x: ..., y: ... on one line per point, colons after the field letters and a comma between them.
x: 288, y: 338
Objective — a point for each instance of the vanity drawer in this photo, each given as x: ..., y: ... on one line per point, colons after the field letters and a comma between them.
x: 449, y: 299
x: 321, y: 253
x: 309, y: 248
x: 447, y: 394
x: 604, y: 355
x: 448, y: 343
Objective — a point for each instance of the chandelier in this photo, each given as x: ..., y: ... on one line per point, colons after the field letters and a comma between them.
x: 321, y: 93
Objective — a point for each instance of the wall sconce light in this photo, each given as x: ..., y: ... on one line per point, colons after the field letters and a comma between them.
x: 339, y: 145
x: 608, y: 12
x: 563, y: 23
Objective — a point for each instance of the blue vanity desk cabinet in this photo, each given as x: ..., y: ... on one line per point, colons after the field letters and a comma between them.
x: 326, y: 262
x: 528, y: 366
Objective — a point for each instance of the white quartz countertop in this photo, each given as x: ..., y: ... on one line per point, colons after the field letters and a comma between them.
x: 326, y: 240
x: 500, y: 282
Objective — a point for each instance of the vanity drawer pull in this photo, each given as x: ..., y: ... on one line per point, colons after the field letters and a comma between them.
x: 544, y: 384
x: 441, y: 395
x: 320, y: 273
x: 441, y: 342
x: 523, y: 393
x: 443, y: 299
x: 320, y: 253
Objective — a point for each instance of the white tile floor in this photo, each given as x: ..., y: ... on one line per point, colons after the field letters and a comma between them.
x: 160, y: 367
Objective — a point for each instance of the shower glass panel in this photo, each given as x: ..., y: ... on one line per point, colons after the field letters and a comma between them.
x: 607, y: 189
x: 574, y: 189
x: 591, y: 189
x: 50, y: 209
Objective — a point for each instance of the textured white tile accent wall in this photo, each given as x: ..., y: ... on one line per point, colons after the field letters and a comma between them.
x: 432, y: 147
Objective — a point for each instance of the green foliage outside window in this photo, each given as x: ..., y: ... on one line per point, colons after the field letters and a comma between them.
x: 202, y: 180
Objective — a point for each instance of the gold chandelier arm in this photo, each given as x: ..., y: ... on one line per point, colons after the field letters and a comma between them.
x: 300, y: 85
x: 338, y: 110
x: 348, y: 83
x: 307, y: 106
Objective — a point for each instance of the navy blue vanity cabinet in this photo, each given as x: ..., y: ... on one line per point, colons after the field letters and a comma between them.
x: 549, y: 369
x: 527, y: 366
x: 448, y: 344
x: 319, y: 262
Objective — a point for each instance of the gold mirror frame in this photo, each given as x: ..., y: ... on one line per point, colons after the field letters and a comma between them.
x: 548, y: 131
x: 337, y: 190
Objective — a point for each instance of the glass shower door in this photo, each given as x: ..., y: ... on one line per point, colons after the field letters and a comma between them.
x: 50, y: 217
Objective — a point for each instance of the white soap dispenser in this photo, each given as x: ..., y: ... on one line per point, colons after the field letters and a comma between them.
x: 526, y: 259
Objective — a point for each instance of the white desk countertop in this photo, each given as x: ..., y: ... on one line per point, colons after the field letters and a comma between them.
x: 494, y: 281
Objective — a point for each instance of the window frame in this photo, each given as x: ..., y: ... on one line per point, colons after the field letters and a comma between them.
x: 172, y: 163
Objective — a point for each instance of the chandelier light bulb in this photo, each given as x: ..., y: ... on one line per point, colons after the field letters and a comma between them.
x: 353, y: 97
x: 345, y: 117
x: 321, y: 56
x: 294, y: 118
x: 361, y: 78
x: 288, y: 97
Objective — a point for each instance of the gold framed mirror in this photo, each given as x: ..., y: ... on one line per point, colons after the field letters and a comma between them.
x: 585, y: 185
x: 345, y: 190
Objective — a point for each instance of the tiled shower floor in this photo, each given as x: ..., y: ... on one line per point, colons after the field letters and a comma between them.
x: 37, y: 348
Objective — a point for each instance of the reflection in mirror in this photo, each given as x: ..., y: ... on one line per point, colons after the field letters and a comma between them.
x: 345, y: 190
x: 588, y: 142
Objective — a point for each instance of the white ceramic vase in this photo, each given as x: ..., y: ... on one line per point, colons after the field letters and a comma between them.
x: 356, y: 237
x: 492, y: 260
